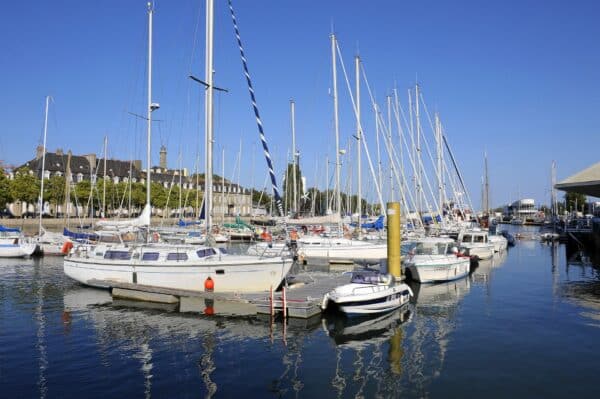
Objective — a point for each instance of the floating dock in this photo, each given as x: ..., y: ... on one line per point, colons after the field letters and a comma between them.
x: 301, y: 298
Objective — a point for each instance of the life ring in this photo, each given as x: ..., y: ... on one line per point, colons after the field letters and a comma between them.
x: 66, y: 248
x: 155, y: 237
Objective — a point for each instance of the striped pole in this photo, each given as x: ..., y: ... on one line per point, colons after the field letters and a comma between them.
x: 278, y: 201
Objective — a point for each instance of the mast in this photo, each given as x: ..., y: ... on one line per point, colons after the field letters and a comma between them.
x: 486, y: 187
x: 418, y: 148
x: 326, y: 184
x: 440, y: 172
x: 180, y: 183
x: 104, y: 179
x: 389, y: 115
x: 43, y: 164
x: 208, y: 109
x: 337, y: 129
x: 358, y: 139
x: 151, y: 108
x: 223, y: 185
x: 293, y: 116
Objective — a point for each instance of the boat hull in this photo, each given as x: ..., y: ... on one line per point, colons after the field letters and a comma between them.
x: 353, y: 299
x: 17, y: 250
x: 433, y: 272
x: 350, y: 253
x: 235, y: 276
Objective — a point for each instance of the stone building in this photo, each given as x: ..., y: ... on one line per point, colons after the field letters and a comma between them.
x: 229, y: 198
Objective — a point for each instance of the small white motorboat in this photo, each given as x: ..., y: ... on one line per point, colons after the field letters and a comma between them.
x: 368, y: 293
x: 18, y: 249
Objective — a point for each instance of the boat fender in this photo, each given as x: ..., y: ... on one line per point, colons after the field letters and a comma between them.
x: 66, y: 248
x: 209, y: 284
x: 325, y: 301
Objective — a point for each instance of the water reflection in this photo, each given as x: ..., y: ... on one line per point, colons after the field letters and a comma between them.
x: 582, y: 286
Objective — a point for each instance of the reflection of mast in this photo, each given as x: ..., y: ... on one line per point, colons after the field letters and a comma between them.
x: 207, y: 365
x: 339, y: 381
x: 145, y: 355
x: 41, y: 345
x: 555, y: 270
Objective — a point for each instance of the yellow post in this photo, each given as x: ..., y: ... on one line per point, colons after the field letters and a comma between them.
x: 393, y: 239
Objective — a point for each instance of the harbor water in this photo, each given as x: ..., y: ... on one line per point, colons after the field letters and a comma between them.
x: 524, y: 324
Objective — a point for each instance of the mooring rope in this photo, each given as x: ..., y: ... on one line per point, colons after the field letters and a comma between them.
x: 278, y: 201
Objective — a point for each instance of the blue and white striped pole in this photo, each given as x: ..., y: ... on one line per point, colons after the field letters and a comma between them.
x: 278, y: 201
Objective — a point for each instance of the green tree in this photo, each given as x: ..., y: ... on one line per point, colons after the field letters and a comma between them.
x: 25, y: 186
x: 575, y: 201
x: 158, y: 195
x: 288, y: 186
x: 5, y: 192
x: 138, y: 195
x: 54, y: 190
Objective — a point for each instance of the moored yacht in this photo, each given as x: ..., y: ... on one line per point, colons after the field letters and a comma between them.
x: 182, y: 267
x: 476, y: 242
x: 436, y: 259
x: 368, y: 293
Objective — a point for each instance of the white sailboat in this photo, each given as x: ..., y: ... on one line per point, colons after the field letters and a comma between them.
x: 177, y: 266
x: 49, y: 243
x: 339, y: 249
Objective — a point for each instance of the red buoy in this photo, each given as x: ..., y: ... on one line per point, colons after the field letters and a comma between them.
x: 209, y: 284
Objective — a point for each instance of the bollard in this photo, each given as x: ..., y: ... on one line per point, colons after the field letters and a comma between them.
x: 393, y: 239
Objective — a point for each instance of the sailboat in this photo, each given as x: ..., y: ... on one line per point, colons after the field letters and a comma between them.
x: 49, y: 243
x: 183, y: 267
x: 338, y: 249
x: 13, y: 243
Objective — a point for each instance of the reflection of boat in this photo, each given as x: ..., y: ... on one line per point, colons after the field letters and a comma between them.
x: 436, y: 259
x: 368, y: 293
x: 364, y: 330
x: 442, y: 295
x: 484, y: 268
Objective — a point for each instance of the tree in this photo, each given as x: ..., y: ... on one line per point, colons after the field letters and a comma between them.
x: 25, y: 186
x: 575, y: 201
x: 5, y: 193
x: 54, y: 190
x: 288, y: 186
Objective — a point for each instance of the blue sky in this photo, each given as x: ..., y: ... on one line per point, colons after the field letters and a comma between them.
x: 519, y: 80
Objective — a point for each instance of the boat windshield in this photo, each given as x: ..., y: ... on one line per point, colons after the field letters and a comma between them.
x: 430, y: 248
x: 360, y: 278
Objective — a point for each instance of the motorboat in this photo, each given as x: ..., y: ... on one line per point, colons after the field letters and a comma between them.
x: 367, y: 293
x: 437, y: 259
x: 476, y: 242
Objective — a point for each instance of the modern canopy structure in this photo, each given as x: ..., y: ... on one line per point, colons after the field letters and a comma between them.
x: 586, y: 182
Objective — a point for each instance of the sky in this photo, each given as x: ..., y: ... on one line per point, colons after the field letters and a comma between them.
x: 516, y: 80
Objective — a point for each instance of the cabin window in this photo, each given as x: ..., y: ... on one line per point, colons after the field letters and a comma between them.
x: 223, y: 250
x: 467, y: 238
x: 202, y: 253
x: 177, y: 256
x: 150, y: 256
x: 478, y: 238
x: 118, y: 255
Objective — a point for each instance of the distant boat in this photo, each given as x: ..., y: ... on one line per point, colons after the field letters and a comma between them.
x: 13, y: 243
